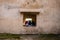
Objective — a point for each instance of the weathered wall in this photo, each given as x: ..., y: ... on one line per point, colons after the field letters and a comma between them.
x: 49, y: 18
x: 48, y: 21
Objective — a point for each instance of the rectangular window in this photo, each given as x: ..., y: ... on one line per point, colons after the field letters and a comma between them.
x: 29, y: 19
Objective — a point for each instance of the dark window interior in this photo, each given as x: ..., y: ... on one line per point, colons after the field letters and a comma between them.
x: 29, y: 19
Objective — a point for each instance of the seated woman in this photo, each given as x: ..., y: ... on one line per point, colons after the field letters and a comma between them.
x: 33, y: 23
x: 30, y: 23
x: 26, y: 23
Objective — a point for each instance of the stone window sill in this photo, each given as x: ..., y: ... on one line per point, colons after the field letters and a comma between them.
x: 28, y: 26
